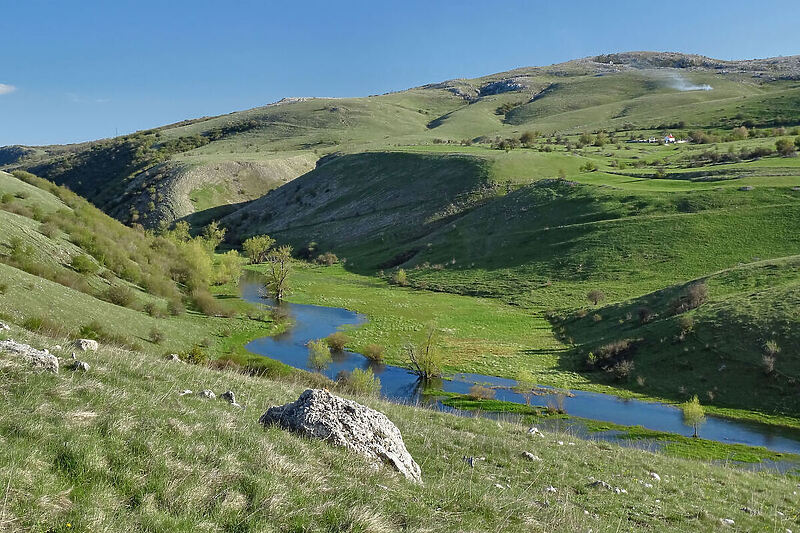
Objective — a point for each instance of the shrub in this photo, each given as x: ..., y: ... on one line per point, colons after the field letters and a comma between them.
x: 120, y: 295
x: 92, y: 330
x: 597, y: 317
x: 337, y: 341
x: 83, y: 263
x: 154, y: 310
x: 208, y: 305
x: 768, y: 364
x: 157, y: 336
x: 400, y: 277
x: 7, y: 198
x: 686, y: 323
x: 785, y: 147
x: 3, y: 288
x: 196, y: 355
x: 328, y: 259
x: 319, y: 355
x: 175, y: 307
x: 645, y: 314
x: 479, y: 392
x: 280, y: 314
x: 693, y: 297
x: 49, y: 230
x: 622, y: 371
x: 596, y: 296
x: 425, y: 359
x: 588, y: 167
x: 362, y: 382
x: 229, y: 267
x: 374, y: 352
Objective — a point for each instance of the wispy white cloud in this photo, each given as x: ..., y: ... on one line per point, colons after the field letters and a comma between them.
x: 79, y: 99
x: 6, y: 88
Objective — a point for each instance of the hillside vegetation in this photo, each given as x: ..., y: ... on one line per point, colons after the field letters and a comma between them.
x: 118, y: 448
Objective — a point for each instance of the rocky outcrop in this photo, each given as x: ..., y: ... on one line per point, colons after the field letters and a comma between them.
x: 39, y: 359
x: 322, y: 415
x: 86, y: 345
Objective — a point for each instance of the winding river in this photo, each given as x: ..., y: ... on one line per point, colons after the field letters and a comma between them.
x: 398, y: 384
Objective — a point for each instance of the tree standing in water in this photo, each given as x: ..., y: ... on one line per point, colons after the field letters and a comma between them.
x: 280, y: 266
x: 693, y: 414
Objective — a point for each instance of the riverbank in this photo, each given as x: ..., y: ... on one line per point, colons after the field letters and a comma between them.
x: 477, y: 335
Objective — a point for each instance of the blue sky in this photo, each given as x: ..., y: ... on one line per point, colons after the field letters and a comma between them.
x: 80, y: 70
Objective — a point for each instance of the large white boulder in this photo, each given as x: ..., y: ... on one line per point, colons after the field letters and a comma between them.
x: 86, y: 345
x: 39, y: 359
x: 322, y: 415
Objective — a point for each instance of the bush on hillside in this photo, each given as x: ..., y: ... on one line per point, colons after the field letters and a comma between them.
x: 596, y: 296
x: 400, y: 277
x: 692, y: 297
x: 327, y: 259
x: 785, y: 147
x: 121, y: 295
x: 157, y: 336
x: 83, y: 264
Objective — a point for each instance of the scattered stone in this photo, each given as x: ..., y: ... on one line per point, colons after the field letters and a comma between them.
x: 749, y: 511
x: 57, y: 347
x: 499, y: 486
x: 603, y: 485
x: 561, y: 443
x: 175, y: 358
x: 39, y: 359
x: 727, y: 522
x: 86, y: 345
x: 721, y: 368
x: 185, y: 392
x: 4, y: 327
x: 530, y: 457
x: 746, y: 188
x: 319, y: 414
x: 535, y: 432
x: 469, y: 460
x: 80, y: 366
x: 655, y: 476
x: 571, y: 443
x: 208, y: 394
x: 229, y: 397
x: 551, y: 489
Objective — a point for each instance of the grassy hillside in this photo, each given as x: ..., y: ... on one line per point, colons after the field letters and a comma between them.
x: 118, y: 449
x: 201, y: 158
x: 68, y: 269
x: 718, y: 346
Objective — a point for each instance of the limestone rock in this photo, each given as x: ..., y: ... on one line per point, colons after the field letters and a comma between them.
x: 208, y: 394
x: 4, y: 327
x: 86, y: 345
x: 530, y: 457
x: 39, y: 359
x: 230, y: 397
x: 175, y: 358
x: 80, y: 366
x: 319, y: 414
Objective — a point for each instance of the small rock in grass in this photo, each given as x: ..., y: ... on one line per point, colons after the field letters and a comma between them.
x: 208, y: 394
x: 469, y: 460
x: 87, y: 345
x: 727, y: 522
x: 551, y: 489
x: 57, y: 347
x: 185, y: 392
x: 530, y: 457
x: 655, y: 476
x: 749, y: 511
x: 561, y: 443
x: 229, y: 397
x: 4, y: 327
x: 499, y: 486
x: 535, y: 431
x: 80, y: 366
x: 175, y: 358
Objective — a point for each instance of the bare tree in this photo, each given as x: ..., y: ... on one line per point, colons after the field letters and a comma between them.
x: 280, y: 266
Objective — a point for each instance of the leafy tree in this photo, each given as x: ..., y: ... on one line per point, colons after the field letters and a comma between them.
x: 525, y: 384
x: 229, y: 267
x: 601, y: 139
x: 280, y: 266
x: 797, y: 142
x: 400, y: 278
x: 785, y: 147
x: 319, y: 355
x: 693, y: 414
x: 257, y: 248
x: 213, y: 235
x: 359, y: 381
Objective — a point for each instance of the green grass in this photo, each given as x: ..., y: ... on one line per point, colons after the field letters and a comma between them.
x: 118, y: 449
